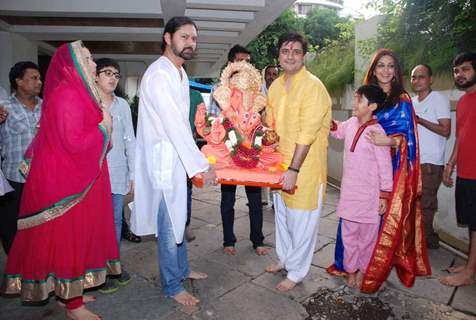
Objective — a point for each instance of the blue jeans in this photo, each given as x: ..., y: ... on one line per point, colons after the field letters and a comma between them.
x: 117, y: 207
x: 173, y: 259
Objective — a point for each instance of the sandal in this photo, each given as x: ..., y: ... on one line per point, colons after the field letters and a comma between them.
x: 129, y: 236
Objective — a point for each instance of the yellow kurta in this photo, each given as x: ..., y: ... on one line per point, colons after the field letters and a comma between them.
x: 302, y: 115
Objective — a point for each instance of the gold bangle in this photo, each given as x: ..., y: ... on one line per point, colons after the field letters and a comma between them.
x: 396, y: 142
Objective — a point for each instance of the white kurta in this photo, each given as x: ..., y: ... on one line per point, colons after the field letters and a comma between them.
x: 165, y: 150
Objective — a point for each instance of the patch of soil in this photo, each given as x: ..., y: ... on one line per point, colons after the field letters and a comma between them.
x: 326, y: 304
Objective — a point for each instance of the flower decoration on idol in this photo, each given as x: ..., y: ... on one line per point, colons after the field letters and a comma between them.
x: 244, y: 153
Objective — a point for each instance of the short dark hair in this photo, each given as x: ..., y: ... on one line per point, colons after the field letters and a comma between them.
x: 428, y: 68
x: 293, y: 37
x: 235, y: 50
x: 374, y: 94
x: 269, y: 66
x: 465, y: 57
x: 106, y: 62
x: 173, y: 25
x: 18, y: 71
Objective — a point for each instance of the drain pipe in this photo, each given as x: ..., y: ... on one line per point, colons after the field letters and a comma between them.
x: 453, y: 250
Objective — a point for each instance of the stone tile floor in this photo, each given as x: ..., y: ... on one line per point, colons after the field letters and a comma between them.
x: 238, y: 287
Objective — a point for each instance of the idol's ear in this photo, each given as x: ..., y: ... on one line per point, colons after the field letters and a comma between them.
x: 260, y: 103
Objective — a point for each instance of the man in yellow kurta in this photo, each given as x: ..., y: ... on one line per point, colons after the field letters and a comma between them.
x: 299, y: 109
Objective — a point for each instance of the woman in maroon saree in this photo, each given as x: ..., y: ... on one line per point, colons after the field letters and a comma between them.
x: 65, y: 241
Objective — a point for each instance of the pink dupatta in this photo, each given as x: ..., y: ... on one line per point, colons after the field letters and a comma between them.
x: 66, y: 156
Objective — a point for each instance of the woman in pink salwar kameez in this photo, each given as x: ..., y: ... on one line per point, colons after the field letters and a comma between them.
x: 65, y: 241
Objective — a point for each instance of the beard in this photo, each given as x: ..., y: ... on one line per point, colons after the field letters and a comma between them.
x: 465, y: 85
x: 185, y: 53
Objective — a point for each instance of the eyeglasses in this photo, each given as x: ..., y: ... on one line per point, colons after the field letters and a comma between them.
x: 110, y: 74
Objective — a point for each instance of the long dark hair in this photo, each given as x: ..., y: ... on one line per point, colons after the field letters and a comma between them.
x: 397, y: 82
x: 173, y: 25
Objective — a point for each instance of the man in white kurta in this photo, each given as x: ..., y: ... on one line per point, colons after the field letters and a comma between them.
x: 165, y: 155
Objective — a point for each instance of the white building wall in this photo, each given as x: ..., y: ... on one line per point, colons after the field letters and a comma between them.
x: 335, y: 151
x: 445, y: 219
x: 14, y: 48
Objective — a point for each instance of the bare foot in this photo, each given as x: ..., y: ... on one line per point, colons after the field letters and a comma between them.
x: 195, y: 275
x: 262, y: 251
x: 231, y: 251
x: 275, y: 267
x: 464, y: 278
x: 285, y: 285
x: 332, y: 270
x: 189, y: 236
x: 86, y: 299
x: 186, y: 299
x: 358, y: 280
x: 82, y: 313
x: 351, y: 280
x: 455, y: 269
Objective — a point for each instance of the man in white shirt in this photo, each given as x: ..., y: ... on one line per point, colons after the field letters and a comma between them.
x: 434, y: 126
x: 120, y: 159
x: 166, y: 154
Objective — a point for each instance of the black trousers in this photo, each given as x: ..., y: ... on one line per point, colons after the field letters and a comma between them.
x: 228, y: 197
x: 9, y: 208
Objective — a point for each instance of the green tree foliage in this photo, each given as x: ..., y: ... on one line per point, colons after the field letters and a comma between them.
x: 334, y: 64
x: 424, y: 31
x: 263, y: 48
x: 329, y: 36
x: 321, y: 26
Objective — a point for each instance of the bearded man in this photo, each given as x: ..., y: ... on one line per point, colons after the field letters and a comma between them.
x: 166, y: 154
x: 464, y: 158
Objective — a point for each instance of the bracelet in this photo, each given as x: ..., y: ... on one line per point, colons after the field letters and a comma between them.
x: 450, y: 164
x: 396, y: 141
x: 333, y: 126
x: 293, y: 169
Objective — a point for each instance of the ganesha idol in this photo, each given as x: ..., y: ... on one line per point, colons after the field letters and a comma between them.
x: 243, y: 149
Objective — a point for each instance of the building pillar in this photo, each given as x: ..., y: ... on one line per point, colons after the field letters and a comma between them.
x: 14, y: 48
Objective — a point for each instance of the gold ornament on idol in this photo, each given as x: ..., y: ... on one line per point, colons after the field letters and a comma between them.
x: 241, y: 75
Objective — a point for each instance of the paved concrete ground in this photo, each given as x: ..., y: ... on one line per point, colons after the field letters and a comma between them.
x: 238, y: 287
